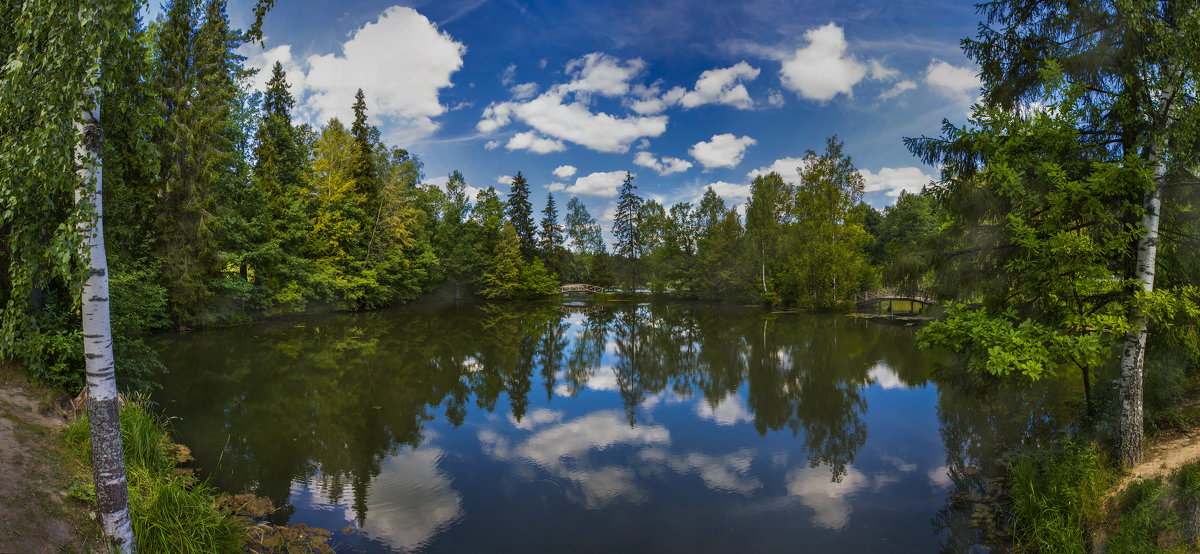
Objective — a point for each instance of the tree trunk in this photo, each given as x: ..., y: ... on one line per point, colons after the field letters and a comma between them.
x: 764, y: 267
x: 1133, y: 356
x: 108, y: 459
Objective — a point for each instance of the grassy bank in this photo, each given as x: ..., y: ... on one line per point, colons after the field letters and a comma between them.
x: 1069, y: 500
x: 172, y: 510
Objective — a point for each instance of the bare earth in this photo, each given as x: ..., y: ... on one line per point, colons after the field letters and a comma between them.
x: 1164, y: 457
x: 35, y: 514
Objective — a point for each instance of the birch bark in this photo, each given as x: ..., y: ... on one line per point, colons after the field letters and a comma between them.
x: 1133, y: 355
x: 108, y: 459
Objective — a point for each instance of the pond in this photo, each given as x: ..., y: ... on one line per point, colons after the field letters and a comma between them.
x: 616, y: 427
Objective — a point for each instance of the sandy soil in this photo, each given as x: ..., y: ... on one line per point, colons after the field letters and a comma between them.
x: 35, y: 514
x: 1164, y: 457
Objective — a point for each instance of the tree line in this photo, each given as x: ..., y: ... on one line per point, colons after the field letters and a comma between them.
x: 219, y: 207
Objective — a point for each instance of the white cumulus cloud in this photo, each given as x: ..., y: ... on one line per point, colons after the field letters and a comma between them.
x: 897, y: 89
x: 958, y: 82
x: 524, y: 91
x: 724, y: 150
x: 894, y: 180
x: 602, y: 74
x: 788, y: 168
x: 531, y: 141
x: 666, y: 166
x: 401, y: 89
x: 822, y: 69
x: 602, y: 183
x: 722, y: 86
x: 564, y: 171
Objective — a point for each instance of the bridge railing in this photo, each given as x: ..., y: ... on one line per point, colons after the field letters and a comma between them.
x: 919, y: 295
x: 581, y: 287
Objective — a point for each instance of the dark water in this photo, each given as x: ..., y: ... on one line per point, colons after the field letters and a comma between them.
x: 634, y: 428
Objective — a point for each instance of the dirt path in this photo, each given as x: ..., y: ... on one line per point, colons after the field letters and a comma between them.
x: 35, y: 515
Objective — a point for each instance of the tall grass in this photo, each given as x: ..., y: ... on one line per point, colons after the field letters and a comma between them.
x: 171, y: 513
x: 1057, y: 497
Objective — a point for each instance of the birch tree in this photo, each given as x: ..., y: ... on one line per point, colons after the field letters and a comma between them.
x: 1139, y: 61
x: 108, y: 459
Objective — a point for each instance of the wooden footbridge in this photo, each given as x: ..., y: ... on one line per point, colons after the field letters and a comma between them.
x: 879, y: 296
x: 581, y: 287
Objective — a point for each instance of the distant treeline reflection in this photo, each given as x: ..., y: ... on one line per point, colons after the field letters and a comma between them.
x: 332, y: 397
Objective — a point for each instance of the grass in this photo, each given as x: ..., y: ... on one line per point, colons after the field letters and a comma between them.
x: 1058, y: 505
x: 1146, y: 520
x: 1057, y: 497
x: 170, y: 512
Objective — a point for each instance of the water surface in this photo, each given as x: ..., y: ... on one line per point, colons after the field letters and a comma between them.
x: 672, y: 427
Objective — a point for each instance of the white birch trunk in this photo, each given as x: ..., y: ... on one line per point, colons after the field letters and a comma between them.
x: 1133, y: 356
x: 108, y: 459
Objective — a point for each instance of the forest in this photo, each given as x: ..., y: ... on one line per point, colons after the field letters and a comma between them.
x: 1060, y: 236
x: 220, y: 208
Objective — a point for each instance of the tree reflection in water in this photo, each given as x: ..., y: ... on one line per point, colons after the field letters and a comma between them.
x: 331, y: 402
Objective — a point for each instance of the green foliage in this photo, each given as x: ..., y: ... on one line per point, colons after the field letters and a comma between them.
x: 626, y: 230
x: 1036, y: 235
x: 510, y: 276
x: 827, y: 266
x: 171, y: 513
x: 520, y: 215
x: 46, y: 63
x: 1144, y: 519
x: 1057, y: 497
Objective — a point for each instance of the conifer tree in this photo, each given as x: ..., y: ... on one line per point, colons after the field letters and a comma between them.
x: 278, y: 216
x: 520, y: 213
x: 365, y: 172
x: 626, y: 232
x: 194, y: 86
x: 551, y: 240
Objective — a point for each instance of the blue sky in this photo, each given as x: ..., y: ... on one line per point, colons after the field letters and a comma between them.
x: 682, y: 94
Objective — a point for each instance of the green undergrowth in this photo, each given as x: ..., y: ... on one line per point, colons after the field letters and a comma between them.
x: 171, y: 510
x: 1060, y: 503
x: 1159, y: 515
x: 174, y: 512
x: 1057, y: 497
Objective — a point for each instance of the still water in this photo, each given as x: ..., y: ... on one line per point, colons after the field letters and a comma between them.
x: 672, y: 427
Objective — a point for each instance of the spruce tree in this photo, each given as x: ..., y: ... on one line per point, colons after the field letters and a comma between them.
x: 279, y: 220
x: 552, y: 233
x: 189, y: 141
x: 520, y: 213
x: 551, y: 239
x: 365, y: 172
x: 626, y: 230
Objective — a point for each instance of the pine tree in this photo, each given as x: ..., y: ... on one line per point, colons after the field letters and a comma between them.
x: 626, y: 232
x: 520, y: 213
